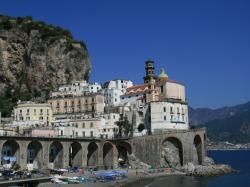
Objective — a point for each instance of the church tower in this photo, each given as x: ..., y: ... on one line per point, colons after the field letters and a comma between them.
x: 150, y: 71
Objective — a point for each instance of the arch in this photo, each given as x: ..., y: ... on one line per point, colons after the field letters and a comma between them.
x: 56, y: 154
x: 198, y: 150
x: 92, y: 157
x: 75, y: 155
x: 108, y: 155
x: 11, y: 149
x: 141, y: 127
x: 35, y: 154
x: 124, y: 150
x: 205, y: 144
x: 172, y: 152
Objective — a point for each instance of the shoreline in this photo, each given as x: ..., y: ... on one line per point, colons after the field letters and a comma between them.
x: 133, y: 180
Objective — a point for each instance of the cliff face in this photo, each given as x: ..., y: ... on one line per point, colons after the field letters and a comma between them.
x: 35, y: 58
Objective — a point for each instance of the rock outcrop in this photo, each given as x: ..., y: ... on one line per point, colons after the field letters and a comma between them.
x: 171, y: 154
x: 35, y: 58
x: 209, y: 168
x: 135, y: 163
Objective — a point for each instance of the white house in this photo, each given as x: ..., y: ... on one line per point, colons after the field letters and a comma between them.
x: 113, y: 89
x: 168, y: 115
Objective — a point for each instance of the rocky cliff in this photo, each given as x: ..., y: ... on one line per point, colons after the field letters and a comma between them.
x: 35, y: 58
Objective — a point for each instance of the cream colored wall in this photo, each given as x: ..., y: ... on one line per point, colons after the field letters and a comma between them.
x: 175, y: 91
x: 32, y: 112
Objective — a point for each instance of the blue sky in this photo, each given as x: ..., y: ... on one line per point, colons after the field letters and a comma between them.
x: 204, y: 44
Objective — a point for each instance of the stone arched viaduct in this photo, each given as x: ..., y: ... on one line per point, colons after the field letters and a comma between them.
x: 69, y: 152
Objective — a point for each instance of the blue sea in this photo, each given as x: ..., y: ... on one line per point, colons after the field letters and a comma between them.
x: 239, y: 160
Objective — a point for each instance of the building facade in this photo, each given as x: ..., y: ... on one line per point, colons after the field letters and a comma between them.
x: 112, y: 90
x: 32, y: 114
x: 71, y: 104
x: 78, y: 88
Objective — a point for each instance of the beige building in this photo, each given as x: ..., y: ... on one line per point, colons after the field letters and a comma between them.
x: 90, y: 103
x: 32, y: 114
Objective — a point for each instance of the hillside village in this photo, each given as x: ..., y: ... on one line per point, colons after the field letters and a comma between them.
x: 117, y: 108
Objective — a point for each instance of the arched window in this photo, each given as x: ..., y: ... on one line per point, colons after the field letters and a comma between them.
x: 171, y: 110
x: 164, y: 109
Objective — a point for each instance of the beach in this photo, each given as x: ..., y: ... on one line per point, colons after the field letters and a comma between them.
x: 135, y: 178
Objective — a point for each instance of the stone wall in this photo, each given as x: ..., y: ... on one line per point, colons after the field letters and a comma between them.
x: 170, y: 149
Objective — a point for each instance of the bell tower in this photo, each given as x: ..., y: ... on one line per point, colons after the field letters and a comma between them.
x: 150, y: 70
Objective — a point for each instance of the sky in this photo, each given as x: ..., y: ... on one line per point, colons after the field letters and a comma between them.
x: 203, y: 44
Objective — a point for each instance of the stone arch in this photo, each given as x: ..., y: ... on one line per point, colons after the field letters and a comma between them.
x: 10, y: 149
x: 56, y: 154
x: 92, y: 157
x: 108, y: 155
x: 75, y: 154
x: 197, y: 150
x: 172, y: 152
x: 124, y: 150
x: 35, y: 154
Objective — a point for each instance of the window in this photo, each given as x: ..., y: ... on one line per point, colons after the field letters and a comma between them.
x: 83, y: 133
x: 91, y: 133
x: 76, y: 133
x: 165, y: 118
x: 91, y: 125
x: 164, y: 109
x: 113, y: 116
x: 83, y: 125
x: 171, y: 110
x: 76, y: 125
x: 161, y: 88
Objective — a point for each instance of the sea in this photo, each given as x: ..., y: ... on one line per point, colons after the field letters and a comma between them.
x: 239, y: 160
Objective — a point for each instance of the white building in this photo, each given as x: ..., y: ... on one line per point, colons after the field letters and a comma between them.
x: 100, y: 127
x: 113, y: 90
x: 78, y: 88
x: 168, y: 115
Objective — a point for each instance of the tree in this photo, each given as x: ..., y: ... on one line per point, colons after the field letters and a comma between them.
x: 125, y: 128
